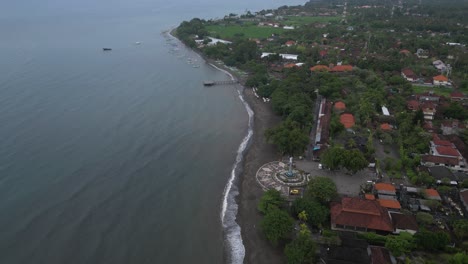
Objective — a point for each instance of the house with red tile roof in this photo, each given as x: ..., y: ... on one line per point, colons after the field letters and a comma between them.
x: 405, y: 52
x: 390, y: 204
x: 440, y: 80
x: 404, y: 223
x: 409, y: 75
x: 356, y: 214
x: 319, y: 68
x: 340, y: 106
x: 457, y: 96
x: 381, y: 255
x: 342, y: 68
x: 347, y: 120
x: 290, y: 43
x: 412, y: 105
x: 430, y: 160
x: 386, y: 127
x: 432, y: 194
x: 385, y: 188
x: 323, y: 53
x: 369, y: 196
x: 290, y: 65
x: 429, y: 110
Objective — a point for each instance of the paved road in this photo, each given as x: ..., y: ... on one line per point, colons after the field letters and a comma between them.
x: 346, y: 184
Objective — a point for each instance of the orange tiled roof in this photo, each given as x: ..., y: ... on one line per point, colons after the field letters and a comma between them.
x: 353, y: 211
x: 347, y: 120
x: 440, y: 78
x: 370, y: 196
x: 384, y: 187
x: 290, y: 65
x: 385, y: 126
x: 432, y: 193
x: 320, y: 68
x: 342, y: 68
x: 393, y: 204
x: 340, y: 105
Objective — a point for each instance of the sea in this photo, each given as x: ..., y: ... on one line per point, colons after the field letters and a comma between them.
x: 118, y: 156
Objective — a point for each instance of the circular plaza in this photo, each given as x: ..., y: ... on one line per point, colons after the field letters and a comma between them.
x: 282, y: 177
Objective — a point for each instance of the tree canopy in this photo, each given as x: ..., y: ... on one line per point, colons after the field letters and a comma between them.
x: 288, y: 138
x: 322, y: 188
x: 277, y: 225
x: 271, y: 199
x: 316, y: 213
x: 302, y: 249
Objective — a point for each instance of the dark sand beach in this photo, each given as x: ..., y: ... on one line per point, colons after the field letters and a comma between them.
x: 257, y: 249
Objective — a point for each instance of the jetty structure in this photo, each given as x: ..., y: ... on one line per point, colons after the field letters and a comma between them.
x: 212, y: 83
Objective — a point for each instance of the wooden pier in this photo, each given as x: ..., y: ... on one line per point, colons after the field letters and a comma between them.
x: 212, y: 83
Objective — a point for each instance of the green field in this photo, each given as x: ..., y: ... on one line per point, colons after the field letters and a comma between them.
x: 303, y: 20
x: 436, y: 89
x: 248, y: 31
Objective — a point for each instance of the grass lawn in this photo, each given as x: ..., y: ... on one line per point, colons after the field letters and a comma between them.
x: 302, y: 20
x: 437, y: 90
x: 248, y: 31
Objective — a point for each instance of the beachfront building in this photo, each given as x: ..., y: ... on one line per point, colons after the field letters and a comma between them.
x: 284, y: 56
x: 356, y: 214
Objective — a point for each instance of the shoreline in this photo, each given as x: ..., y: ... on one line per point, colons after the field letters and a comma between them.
x: 258, y: 152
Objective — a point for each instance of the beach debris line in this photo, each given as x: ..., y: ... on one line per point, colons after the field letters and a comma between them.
x: 265, y: 99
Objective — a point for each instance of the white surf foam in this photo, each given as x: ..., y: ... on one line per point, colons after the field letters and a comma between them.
x: 232, y: 230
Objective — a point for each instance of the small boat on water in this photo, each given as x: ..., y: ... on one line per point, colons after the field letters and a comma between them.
x: 137, y: 43
x: 106, y: 49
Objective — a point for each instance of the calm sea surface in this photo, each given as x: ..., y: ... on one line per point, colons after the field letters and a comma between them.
x: 113, y: 157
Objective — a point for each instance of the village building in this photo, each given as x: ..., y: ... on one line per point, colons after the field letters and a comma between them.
x: 356, y: 214
x: 381, y: 255
x: 451, y: 127
x: 290, y: 43
x: 385, y: 127
x: 439, y: 65
x: 457, y: 96
x: 440, y: 80
x: 404, y: 223
x: 340, y: 106
x: 429, y: 110
x: 342, y: 68
x: 422, y: 54
x: 464, y: 199
x: 412, y: 105
x: 347, y: 120
x: 319, y: 68
x: 390, y: 204
x: 409, y: 75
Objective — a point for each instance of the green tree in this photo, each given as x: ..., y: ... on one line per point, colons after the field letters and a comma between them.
x: 316, y: 214
x: 302, y: 249
x: 459, y: 258
x: 400, y: 244
x: 277, y: 225
x: 333, y: 158
x: 302, y: 216
x: 355, y: 160
x: 432, y: 240
x: 424, y: 218
x: 322, y: 188
x: 460, y: 228
x: 271, y: 199
x: 288, y: 137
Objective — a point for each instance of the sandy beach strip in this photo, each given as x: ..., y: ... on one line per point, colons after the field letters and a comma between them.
x: 257, y: 248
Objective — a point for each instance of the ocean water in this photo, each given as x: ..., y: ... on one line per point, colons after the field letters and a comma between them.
x: 120, y: 156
